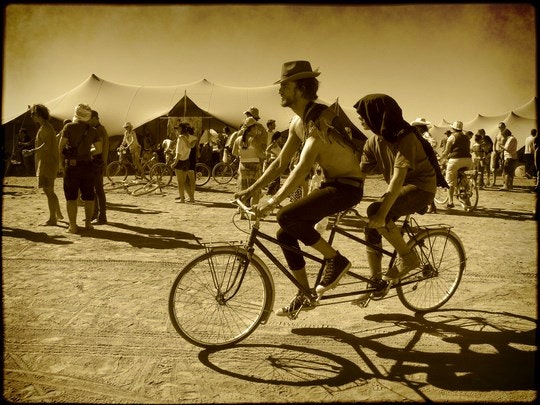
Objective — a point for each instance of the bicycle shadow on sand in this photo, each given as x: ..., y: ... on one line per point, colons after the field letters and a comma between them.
x: 499, y: 213
x: 477, y: 351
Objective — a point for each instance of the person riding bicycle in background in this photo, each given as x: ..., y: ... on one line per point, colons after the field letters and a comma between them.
x: 320, y: 141
x: 458, y: 155
x: 398, y: 153
x: 131, y: 142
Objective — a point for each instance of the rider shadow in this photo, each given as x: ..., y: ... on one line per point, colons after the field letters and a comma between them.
x: 131, y: 209
x: 490, y: 355
x: 34, y: 236
x: 481, y: 353
x: 157, y: 238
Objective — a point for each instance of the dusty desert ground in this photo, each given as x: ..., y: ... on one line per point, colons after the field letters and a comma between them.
x: 85, y: 317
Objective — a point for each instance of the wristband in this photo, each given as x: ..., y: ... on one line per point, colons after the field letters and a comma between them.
x: 272, y: 201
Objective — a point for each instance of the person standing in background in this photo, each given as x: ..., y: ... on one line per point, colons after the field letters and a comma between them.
x: 46, y: 160
x: 100, y: 161
x: 79, y: 175
x: 510, y: 159
x: 528, y: 155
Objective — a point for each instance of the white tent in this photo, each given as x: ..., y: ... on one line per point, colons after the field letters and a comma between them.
x: 118, y: 103
x: 520, y: 121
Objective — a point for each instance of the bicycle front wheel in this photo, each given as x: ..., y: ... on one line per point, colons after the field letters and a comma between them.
x: 202, y: 174
x: 222, y: 173
x: 216, y: 301
x: 146, y: 188
x: 443, y: 261
x: 161, y: 173
x: 116, y: 172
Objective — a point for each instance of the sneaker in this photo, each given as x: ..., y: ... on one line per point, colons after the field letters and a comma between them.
x: 449, y: 205
x: 403, y: 266
x: 381, y: 285
x: 334, y: 269
x: 299, y: 303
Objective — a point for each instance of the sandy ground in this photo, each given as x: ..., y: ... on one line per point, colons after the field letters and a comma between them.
x: 85, y: 316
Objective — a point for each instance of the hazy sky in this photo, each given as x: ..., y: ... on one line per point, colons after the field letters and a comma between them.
x: 438, y: 61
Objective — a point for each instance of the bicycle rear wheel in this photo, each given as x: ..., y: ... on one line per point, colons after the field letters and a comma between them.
x: 116, y: 172
x: 161, y: 173
x: 202, y: 174
x: 214, y: 303
x: 443, y: 262
x: 222, y: 173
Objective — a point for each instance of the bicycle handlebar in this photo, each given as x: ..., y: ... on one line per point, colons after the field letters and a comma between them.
x: 244, y: 207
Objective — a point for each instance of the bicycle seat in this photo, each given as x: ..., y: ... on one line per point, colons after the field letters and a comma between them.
x: 462, y: 170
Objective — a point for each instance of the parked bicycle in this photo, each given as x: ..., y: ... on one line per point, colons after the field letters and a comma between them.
x: 224, y: 172
x: 121, y: 168
x: 220, y: 297
x: 466, y: 190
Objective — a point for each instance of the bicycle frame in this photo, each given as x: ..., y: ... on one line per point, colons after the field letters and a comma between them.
x: 256, y: 237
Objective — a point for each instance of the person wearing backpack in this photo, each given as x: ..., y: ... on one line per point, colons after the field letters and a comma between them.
x: 403, y: 157
x: 319, y: 134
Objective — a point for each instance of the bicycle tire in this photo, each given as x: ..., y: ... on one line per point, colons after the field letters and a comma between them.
x: 162, y: 173
x: 116, y: 171
x: 443, y: 262
x: 202, y: 174
x: 147, y: 188
x: 467, y: 193
x: 223, y: 173
x: 207, y: 317
x: 441, y: 196
x: 113, y: 185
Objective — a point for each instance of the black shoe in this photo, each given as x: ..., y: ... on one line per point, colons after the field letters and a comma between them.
x: 99, y: 221
x: 381, y: 286
x: 299, y: 303
x: 334, y: 269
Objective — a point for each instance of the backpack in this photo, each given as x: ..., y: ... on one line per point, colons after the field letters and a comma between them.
x: 430, y: 152
x: 352, y: 137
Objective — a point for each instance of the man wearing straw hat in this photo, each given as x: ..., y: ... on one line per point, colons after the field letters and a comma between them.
x: 321, y: 139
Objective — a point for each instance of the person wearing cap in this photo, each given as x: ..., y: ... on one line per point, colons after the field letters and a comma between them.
x: 46, y: 160
x: 321, y: 139
x: 398, y: 153
x: 497, y: 156
x: 423, y: 126
x: 79, y: 175
x: 258, y: 130
x: 131, y: 142
x: 251, y: 153
x: 457, y: 155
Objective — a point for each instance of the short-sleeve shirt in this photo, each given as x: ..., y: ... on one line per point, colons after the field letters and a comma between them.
x: 82, y: 136
x: 380, y: 156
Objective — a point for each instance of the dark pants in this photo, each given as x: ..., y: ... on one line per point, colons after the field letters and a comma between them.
x: 297, y: 220
x: 410, y: 200
x: 79, y: 178
x: 100, y: 206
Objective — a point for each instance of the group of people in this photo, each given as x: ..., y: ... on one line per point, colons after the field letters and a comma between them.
x: 78, y: 150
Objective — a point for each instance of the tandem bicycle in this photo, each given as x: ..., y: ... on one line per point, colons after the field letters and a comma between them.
x: 222, y: 296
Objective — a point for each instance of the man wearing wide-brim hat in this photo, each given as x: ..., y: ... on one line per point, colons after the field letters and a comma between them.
x: 79, y: 174
x: 319, y: 138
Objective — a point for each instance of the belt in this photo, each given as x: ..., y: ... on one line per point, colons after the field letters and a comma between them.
x: 358, y: 183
